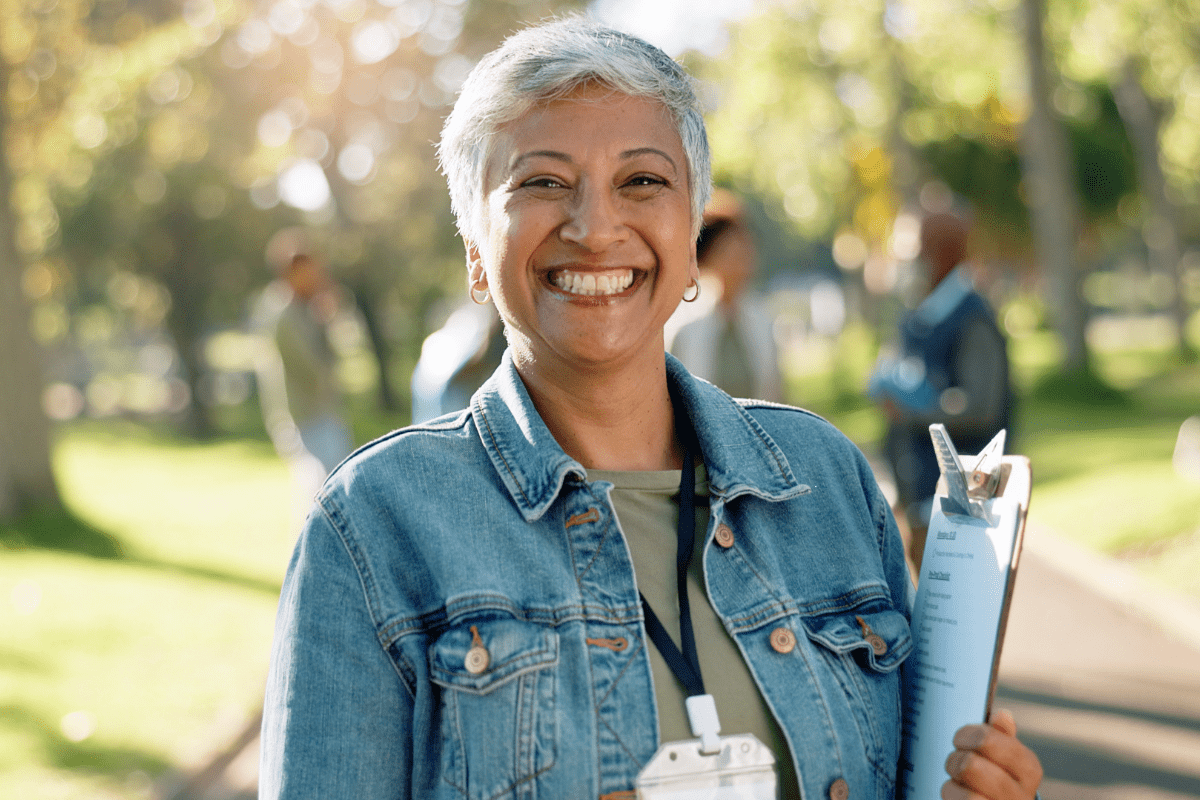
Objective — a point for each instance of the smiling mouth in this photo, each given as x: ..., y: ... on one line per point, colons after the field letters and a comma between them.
x: 593, y: 284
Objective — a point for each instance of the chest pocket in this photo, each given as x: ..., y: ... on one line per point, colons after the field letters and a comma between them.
x: 497, y: 705
x: 864, y: 647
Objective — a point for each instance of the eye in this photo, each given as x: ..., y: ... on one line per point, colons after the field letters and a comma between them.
x: 646, y: 180
x: 543, y: 182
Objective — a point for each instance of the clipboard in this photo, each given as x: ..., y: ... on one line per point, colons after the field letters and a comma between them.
x: 964, y: 591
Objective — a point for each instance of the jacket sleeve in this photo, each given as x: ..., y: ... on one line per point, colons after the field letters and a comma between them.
x: 337, y: 718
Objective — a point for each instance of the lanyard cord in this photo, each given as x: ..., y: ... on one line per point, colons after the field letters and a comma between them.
x: 686, y: 663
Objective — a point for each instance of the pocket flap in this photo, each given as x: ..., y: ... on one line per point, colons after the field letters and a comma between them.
x: 853, y: 631
x: 512, y: 647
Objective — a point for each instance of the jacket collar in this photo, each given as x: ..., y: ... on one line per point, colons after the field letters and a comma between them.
x: 741, y: 458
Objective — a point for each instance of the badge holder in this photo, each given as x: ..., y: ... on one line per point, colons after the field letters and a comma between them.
x: 711, y: 767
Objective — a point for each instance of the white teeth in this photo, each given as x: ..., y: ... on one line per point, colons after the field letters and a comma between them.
x: 590, y: 283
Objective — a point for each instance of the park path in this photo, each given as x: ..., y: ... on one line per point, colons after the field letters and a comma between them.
x: 1101, y: 671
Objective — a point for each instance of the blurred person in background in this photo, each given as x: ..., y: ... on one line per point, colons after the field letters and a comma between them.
x: 302, y: 402
x: 949, y: 365
x: 731, y: 342
x: 456, y: 359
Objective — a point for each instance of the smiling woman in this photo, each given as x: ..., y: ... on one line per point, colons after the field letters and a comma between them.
x: 488, y: 605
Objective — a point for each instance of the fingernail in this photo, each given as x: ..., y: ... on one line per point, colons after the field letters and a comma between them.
x: 954, y: 763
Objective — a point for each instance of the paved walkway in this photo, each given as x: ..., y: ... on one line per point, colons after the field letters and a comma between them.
x: 1102, y: 673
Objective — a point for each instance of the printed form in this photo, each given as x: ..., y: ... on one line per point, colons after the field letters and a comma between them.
x: 963, y: 593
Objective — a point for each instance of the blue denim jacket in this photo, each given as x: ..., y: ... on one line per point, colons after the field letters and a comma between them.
x: 478, y: 531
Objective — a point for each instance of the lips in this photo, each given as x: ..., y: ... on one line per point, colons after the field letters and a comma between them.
x: 592, y: 283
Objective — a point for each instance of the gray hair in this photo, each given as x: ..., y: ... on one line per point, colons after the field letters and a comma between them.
x: 548, y: 61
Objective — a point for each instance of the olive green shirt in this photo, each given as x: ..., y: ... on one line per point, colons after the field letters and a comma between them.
x: 647, y: 505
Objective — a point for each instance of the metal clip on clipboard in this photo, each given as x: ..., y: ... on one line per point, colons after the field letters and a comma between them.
x: 966, y: 491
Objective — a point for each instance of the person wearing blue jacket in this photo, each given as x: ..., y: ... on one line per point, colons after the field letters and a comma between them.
x: 951, y: 368
x: 526, y: 598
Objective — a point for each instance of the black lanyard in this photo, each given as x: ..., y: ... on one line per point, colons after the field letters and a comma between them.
x: 686, y: 663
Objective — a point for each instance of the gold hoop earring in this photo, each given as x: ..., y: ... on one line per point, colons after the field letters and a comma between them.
x: 695, y: 296
x: 476, y: 298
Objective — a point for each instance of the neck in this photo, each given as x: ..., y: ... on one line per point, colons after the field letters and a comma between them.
x: 608, y: 418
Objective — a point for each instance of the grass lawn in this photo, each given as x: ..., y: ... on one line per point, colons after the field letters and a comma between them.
x: 137, y: 632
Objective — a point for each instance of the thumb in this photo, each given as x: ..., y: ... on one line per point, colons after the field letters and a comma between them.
x: 1002, y: 720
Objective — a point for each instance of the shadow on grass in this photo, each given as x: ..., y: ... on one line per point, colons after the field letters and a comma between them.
x: 1079, y: 388
x: 59, y: 752
x: 60, y: 530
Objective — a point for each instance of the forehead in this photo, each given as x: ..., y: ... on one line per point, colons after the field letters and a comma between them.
x: 590, y: 121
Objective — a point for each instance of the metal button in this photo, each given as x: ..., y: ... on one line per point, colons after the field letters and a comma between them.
x: 724, y: 536
x: 839, y: 790
x: 878, y: 645
x: 783, y: 640
x: 477, y: 660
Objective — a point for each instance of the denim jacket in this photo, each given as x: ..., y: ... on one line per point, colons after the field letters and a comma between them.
x: 460, y: 617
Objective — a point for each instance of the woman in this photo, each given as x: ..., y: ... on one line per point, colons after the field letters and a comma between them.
x: 731, y: 344
x: 461, y: 617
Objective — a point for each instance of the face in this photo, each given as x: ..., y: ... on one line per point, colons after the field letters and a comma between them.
x: 733, y: 258
x: 305, y: 276
x: 588, y: 245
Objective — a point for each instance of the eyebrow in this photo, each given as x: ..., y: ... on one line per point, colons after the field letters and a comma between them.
x: 558, y: 155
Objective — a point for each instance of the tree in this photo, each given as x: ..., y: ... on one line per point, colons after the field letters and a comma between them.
x: 26, y: 476
x: 1054, y: 204
x: 1149, y: 60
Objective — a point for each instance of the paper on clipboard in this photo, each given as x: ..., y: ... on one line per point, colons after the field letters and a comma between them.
x: 963, y: 593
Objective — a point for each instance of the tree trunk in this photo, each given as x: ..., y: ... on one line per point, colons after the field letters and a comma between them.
x: 1054, y: 204
x: 380, y: 346
x: 187, y: 280
x: 1161, y: 230
x: 26, y: 475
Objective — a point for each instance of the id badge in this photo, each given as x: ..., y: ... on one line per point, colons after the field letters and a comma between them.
x: 743, y: 768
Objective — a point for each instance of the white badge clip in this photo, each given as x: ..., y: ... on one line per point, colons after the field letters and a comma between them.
x: 702, y: 716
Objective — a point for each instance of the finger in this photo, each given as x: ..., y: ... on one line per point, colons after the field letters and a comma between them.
x: 990, y: 759
x: 973, y: 776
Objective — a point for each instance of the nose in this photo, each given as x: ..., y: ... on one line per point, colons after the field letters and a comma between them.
x: 594, y: 219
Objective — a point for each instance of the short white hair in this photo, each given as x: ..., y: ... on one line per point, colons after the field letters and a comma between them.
x: 548, y: 61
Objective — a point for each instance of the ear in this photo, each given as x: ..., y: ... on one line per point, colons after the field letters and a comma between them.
x: 476, y: 274
x: 694, y: 265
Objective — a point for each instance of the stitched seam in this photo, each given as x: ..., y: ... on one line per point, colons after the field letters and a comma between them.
x: 496, y: 445
x: 366, y: 582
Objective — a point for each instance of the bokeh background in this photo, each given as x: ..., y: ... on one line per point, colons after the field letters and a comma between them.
x: 152, y: 148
